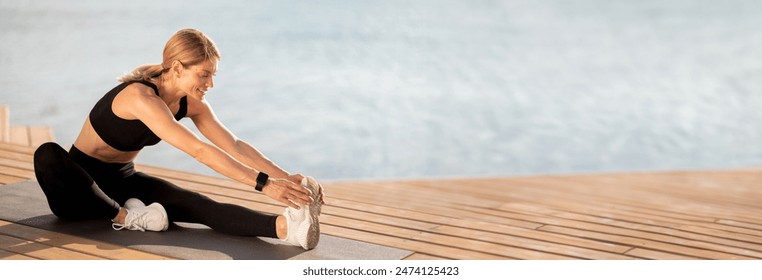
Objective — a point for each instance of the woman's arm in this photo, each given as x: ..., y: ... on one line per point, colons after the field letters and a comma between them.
x: 249, y: 155
x: 208, y: 124
x: 152, y: 111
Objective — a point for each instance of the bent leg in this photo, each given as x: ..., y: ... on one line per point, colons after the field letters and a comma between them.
x: 188, y: 206
x: 71, y: 192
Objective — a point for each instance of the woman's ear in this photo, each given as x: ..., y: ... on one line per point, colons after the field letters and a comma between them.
x: 177, y: 67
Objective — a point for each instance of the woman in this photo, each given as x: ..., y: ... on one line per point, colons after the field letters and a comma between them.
x: 97, y: 175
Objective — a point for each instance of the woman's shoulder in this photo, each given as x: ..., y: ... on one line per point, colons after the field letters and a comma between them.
x: 135, y: 98
x: 136, y: 92
x: 141, y: 87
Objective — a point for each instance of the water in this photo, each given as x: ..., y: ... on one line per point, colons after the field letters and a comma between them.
x: 410, y: 89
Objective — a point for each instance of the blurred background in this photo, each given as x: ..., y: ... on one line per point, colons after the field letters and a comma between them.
x: 421, y: 89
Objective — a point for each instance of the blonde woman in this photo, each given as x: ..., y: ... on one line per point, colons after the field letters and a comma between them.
x: 96, y: 178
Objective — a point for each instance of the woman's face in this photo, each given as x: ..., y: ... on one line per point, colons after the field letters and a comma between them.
x: 195, y: 80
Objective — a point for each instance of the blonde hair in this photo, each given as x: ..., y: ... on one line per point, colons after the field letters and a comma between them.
x: 189, y: 46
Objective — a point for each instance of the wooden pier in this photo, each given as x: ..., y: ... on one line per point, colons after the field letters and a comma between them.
x: 658, y: 215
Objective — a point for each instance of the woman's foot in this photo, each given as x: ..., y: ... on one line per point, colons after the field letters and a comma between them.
x: 303, y: 225
x: 141, y: 217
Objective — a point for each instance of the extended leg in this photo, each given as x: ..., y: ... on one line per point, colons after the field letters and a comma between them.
x: 188, y: 206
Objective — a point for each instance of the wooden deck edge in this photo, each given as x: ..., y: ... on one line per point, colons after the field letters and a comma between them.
x: 25, y: 135
x: 5, y: 128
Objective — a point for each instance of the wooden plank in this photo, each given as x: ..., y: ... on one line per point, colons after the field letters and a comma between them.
x: 729, y: 229
x: 492, y: 248
x: 675, y: 227
x: 9, y: 179
x: 5, y: 127
x: 25, y: 165
x: 432, y: 207
x: 666, y: 231
x: 16, y: 148
x: 648, y: 243
x: 193, y: 177
x: 657, y: 255
x: 423, y: 257
x: 16, y: 156
x: 19, y: 135
x: 441, y: 195
x: 642, y: 234
x: 633, y: 190
x: 658, y: 193
x: 6, y: 255
x: 412, y: 245
x: 75, y: 243
x: 619, y: 212
x: 443, y: 192
x: 445, y: 240
x: 541, y: 195
x: 756, y: 227
x: 41, y: 251
x: 379, y: 218
x: 16, y: 172
x: 695, y: 227
x: 548, y: 194
x: 527, y: 243
x: 39, y: 135
x: 483, y: 226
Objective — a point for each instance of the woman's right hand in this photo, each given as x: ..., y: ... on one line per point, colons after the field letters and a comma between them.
x: 287, y: 192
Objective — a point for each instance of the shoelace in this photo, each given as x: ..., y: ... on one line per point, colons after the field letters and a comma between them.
x: 131, y: 224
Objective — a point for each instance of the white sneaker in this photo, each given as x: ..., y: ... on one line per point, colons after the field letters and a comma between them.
x: 134, y: 203
x: 140, y: 217
x: 317, y: 195
x: 304, y: 224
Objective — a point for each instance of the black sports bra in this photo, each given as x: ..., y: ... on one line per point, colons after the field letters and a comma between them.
x: 121, y: 134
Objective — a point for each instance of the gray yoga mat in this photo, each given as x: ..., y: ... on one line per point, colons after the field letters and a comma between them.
x: 24, y: 203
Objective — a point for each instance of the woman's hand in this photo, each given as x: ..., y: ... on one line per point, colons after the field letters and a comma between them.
x: 296, y: 178
x: 287, y: 192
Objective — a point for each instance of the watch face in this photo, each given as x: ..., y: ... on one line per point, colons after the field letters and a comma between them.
x: 262, y: 178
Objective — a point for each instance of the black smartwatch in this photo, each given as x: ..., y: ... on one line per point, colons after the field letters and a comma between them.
x: 261, y: 181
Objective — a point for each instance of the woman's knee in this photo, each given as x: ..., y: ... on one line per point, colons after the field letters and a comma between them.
x: 47, y: 154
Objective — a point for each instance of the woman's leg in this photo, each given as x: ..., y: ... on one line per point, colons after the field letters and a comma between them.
x: 187, y: 206
x: 71, y: 192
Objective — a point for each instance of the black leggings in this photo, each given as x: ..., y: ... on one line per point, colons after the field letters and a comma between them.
x: 80, y: 187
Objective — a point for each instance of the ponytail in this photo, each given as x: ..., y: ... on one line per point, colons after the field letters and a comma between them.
x: 142, y: 73
x: 189, y: 46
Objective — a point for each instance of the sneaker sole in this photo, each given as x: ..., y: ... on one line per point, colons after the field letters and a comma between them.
x: 313, y: 235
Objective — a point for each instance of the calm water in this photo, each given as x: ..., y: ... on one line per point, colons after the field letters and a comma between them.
x: 400, y: 89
